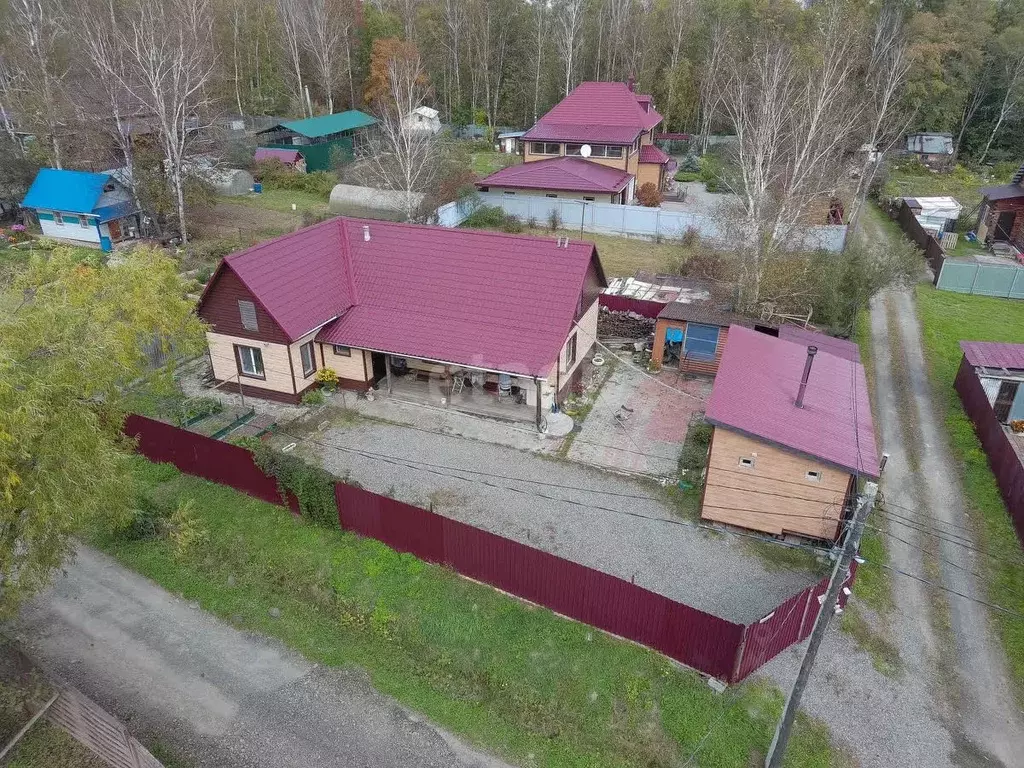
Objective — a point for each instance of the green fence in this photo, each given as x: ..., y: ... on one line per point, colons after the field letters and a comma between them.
x: 982, y: 279
x: 319, y: 157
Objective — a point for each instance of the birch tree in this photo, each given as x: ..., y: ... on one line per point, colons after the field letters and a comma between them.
x: 1011, y: 52
x: 568, y: 29
x: 794, y: 116
x: 166, y: 62
x: 541, y: 23
x: 325, y: 27
x: 291, y: 40
x: 39, y: 26
x: 395, y: 158
x: 454, y: 17
x: 711, y: 82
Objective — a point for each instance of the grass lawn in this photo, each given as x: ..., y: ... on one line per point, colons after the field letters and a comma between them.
x: 282, y: 200
x: 947, y: 318
x: 911, y: 179
x: 486, y: 163
x: 623, y: 256
x: 510, y: 677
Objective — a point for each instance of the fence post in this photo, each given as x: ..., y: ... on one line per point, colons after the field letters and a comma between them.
x: 622, y: 229
x: 740, y: 651
x: 657, y: 224
x: 1013, y: 283
x: 974, y: 280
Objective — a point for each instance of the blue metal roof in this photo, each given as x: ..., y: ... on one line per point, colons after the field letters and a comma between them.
x: 65, y: 191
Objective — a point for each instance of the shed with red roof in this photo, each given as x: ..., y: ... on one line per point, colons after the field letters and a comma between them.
x: 290, y: 157
x: 372, y: 299
x: 793, y: 432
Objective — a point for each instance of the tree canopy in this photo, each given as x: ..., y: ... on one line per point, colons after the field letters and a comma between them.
x: 73, y: 336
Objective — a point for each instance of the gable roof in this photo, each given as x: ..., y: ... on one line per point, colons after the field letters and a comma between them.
x: 755, y: 393
x: 571, y: 174
x: 325, y: 125
x: 66, y: 191
x: 478, y: 299
x: 994, y: 354
x: 596, y: 112
x: 844, y: 348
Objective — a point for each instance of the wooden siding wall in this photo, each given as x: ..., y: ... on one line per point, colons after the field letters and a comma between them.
x: 220, y: 310
x: 774, y: 495
x: 599, y: 197
x: 354, y: 370
x: 706, y: 367
x: 275, y: 364
x: 649, y: 173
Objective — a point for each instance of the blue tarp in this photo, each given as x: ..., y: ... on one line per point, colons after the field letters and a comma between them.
x: 674, y: 335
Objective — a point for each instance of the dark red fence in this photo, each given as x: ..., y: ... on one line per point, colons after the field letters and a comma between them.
x: 933, y: 252
x: 700, y: 640
x: 627, y: 304
x: 1005, y: 463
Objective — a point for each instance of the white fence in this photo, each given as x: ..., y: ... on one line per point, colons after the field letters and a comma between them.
x: 623, y: 219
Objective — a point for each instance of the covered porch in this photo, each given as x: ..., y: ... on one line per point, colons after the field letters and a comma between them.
x: 492, y: 394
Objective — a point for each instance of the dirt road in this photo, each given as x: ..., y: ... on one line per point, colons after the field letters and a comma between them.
x: 217, y: 696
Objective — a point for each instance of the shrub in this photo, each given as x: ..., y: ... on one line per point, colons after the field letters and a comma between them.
x: 532, y: 222
x: 685, y: 176
x: 145, y: 520
x: 184, y: 529
x: 313, y: 397
x: 695, y: 449
x: 690, y: 238
x: 512, y: 224
x: 203, y: 275
x: 276, y: 175
x: 198, y: 408
x: 554, y: 220
x: 649, y: 195
x: 312, y: 486
x: 485, y: 217
x: 328, y: 378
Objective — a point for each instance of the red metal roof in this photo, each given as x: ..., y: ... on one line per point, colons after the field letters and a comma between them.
x: 596, y: 112
x: 284, y: 155
x: 651, y: 154
x: 755, y: 393
x: 994, y: 354
x: 483, y: 299
x: 844, y: 348
x: 571, y: 174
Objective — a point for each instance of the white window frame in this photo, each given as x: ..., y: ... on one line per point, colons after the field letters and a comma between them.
x: 570, y: 352
x: 544, y: 147
x: 83, y: 222
x: 813, y: 476
x: 58, y: 218
x: 346, y: 353
x: 255, y: 359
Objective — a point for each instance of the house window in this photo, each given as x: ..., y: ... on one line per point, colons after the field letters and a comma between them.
x: 573, y: 150
x: 250, y: 362
x: 342, y: 351
x: 570, y: 352
x: 58, y: 219
x: 247, y: 311
x: 814, y: 476
x: 308, y: 356
x: 613, y: 151
x: 588, y: 198
x: 83, y: 222
x: 700, y: 341
x: 747, y: 461
x: 550, y: 194
x: 543, y: 148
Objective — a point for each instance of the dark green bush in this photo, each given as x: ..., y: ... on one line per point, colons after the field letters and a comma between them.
x: 695, y: 450
x: 146, y: 519
x: 485, y: 217
x: 313, y: 487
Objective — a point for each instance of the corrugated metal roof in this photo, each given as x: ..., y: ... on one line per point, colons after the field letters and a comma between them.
x: 844, y: 348
x: 1002, y: 192
x: 596, y: 112
x: 755, y: 392
x: 994, y: 354
x: 481, y: 299
x: 325, y: 125
x: 571, y: 174
x: 651, y: 154
x: 67, y: 191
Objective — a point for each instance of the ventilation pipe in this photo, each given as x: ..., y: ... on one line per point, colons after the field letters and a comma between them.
x: 811, y: 351
x: 366, y: 232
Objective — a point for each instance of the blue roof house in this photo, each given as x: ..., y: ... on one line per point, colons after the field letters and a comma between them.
x: 83, y: 208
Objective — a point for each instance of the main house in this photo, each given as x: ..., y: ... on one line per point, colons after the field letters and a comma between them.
x: 596, y: 144
x: 317, y: 138
x: 373, y: 299
x: 792, y: 434
x: 83, y: 208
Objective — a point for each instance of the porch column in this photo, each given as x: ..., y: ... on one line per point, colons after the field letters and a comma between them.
x: 536, y: 382
x: 387, y: 370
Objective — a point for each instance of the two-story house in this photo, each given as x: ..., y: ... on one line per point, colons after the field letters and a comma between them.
x: 793, y: 433
x: 596, y: 144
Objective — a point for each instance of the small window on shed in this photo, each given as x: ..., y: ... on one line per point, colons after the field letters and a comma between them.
x: 248, y: 312
x: 814, y: 476
x: 550, y: 194
x: 747, y: 461
x: 588, y: 198
x: 507, y: 192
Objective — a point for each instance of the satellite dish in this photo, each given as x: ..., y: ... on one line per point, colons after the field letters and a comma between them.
x: 585, y: 150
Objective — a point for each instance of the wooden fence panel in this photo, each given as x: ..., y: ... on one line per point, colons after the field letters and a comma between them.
x: 91, y: 725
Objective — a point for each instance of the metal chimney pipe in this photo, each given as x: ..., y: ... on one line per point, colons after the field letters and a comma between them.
x: 811, y: 352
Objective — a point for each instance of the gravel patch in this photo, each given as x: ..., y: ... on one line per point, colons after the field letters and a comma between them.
x: 632, y: 535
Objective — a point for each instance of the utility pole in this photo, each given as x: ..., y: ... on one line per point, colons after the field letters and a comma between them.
x: 865, y: 503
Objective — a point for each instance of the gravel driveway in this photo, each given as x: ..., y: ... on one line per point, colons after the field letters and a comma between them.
x: 591, y: 517
x: 220, y: 697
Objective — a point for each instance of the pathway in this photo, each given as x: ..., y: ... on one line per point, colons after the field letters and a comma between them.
x: 217, y: 696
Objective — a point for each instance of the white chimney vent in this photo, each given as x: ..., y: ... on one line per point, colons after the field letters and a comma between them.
x: 366, y: 232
